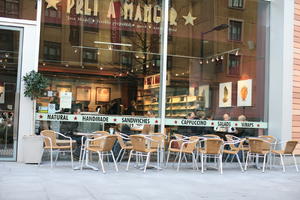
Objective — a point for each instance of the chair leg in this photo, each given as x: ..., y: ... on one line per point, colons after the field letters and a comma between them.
x: 120, y: 153
x: 72, y: 159
x: 239, y: 161
x: 83, y: 158
x: 195, y: 161
x: 101, y: 161
x: 226, y: 158
x: 123, y: 155
x: 282, y: 163
x: 129, y: 160
x: 247, y: 158
x: 221, y: 164
x: 147, y: 161
x: 51, y: 157
x: 264, y: 164
x: 295, y: 161
x: 179, y: 160
x: 113, y: 157
x: 168, y: 156
x: 41, y: 157
x: 202, y: 163
x: 177, y: 154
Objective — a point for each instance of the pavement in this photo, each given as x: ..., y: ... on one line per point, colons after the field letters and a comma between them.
x: 32, y: 182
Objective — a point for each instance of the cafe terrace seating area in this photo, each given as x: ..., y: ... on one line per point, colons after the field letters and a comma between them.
x: 158, y: 151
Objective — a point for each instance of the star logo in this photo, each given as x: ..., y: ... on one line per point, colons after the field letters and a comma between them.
x: 189, y: 19
x: 52, y: 3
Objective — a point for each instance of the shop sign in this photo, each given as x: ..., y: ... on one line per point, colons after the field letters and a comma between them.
x: 150, y: 121
x: 123, y: 14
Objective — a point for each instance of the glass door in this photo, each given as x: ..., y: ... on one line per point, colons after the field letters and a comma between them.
x: 10, y: 62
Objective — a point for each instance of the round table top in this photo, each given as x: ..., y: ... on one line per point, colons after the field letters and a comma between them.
x: 87, y: 134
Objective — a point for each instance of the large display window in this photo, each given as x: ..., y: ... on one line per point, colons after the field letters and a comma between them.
x: 104, y: 58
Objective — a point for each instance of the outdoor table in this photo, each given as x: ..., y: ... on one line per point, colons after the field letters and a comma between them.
x: 83, y: 145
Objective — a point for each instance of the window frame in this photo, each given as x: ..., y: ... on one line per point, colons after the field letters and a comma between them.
x: 242, y: 30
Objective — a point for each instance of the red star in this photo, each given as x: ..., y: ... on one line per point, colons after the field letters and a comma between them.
x: 175, y: 122
x: 75, y: 118
x: 236, y: 124
x: 41, y: 116
x: 258, y: 125
x: 115, y: 120
x: 156, y: 121
x: 212, y: 123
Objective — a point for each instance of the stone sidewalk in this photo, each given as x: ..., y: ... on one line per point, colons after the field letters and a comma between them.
x: 30, y: 182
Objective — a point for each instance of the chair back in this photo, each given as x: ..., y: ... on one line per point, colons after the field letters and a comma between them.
x: 49, y: 134
x: 256, y: 145
x: 179, y: 137
x: 270, y: 140
x: 231, y: 141
x: 146, y: 129
x: 290, y: 147
x: 190, y: 147
x: 213, y: 145
x: 160, y: 138
x: 138, y: 143
x: 121, y: 141
x: 99, y: 142
x: 109, y: 142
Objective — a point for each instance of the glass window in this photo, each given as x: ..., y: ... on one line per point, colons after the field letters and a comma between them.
x: 234, y: 62
x: 235, y: 31
x: 210, y: 73
x: 52, y: 51
x: 106, y: 55
x: 19, y: 9
x: 236, y: 3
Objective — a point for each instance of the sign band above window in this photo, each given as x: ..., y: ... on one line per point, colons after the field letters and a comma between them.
x: 150, y: 121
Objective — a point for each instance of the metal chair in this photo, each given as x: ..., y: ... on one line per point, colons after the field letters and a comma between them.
x: 187, y: 146
x: 124, y: 146
x: 141, y: 148
x: 50, y: 143
x: 257, y: 148
x: 213, y: 147
x: 287, y: 151
x: 103, y: 146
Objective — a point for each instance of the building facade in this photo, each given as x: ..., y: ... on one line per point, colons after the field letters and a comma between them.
x: 115, y: 63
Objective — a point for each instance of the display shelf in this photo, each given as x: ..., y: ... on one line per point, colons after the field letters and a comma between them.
x: 176, y: 106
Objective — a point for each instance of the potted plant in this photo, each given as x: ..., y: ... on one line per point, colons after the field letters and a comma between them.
x: 35, y: 86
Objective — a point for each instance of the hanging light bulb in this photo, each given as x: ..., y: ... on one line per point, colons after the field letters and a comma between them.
x: 212, y: 60
x: 207, y: 61
x: 44, y: 64
x: 101, y: 68
x: 201, y: 62
x: 222, y: 57
x: 98, y: 53
x: 109, y: 47
x: 67, y: 65
x: 217, y: 58
x: 82, y: 67
x: 137, y: 57
x: 147, y: 66
x: 237, y: 53
x: 132, y: 71
x: 4, y: 66
x: 76, y: 50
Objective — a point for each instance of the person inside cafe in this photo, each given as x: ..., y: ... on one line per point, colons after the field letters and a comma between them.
x: 244, y: 132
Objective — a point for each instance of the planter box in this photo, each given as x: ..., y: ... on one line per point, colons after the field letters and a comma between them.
x: 32, y: 149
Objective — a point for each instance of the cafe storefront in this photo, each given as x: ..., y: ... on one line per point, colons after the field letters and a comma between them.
x: 117, y: 63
